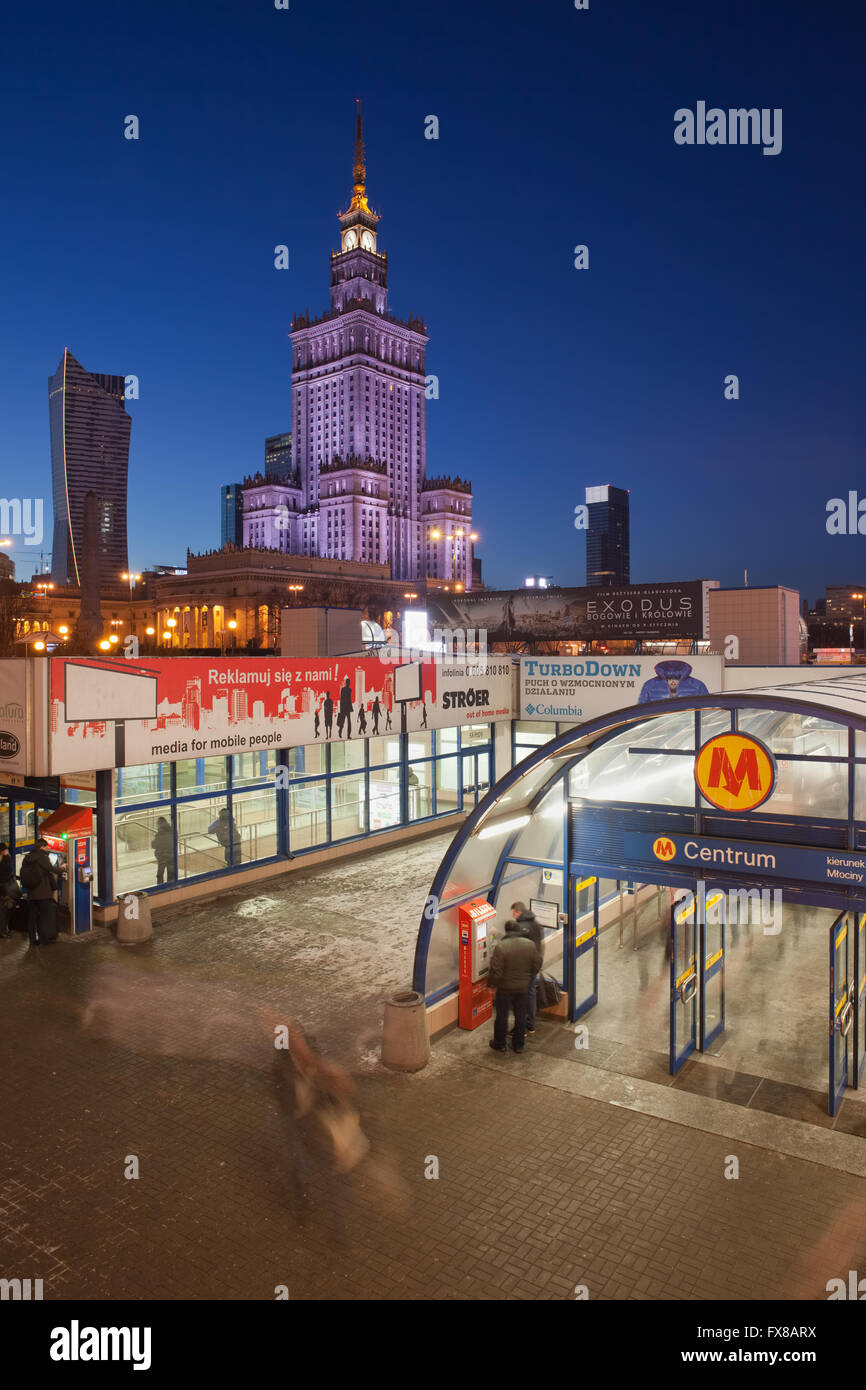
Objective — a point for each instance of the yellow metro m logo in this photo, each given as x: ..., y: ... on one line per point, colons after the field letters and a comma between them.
x: 735, y: 772
x: 664, y: 848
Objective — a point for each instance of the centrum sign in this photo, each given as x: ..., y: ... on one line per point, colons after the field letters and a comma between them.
x: 708, y: 854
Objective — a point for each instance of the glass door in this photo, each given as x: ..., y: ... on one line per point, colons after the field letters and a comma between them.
x: 583, y: 976
x: 712, y: 966
x: 684, y: 982
x: 841, y: 1008
x: 860, y: 1001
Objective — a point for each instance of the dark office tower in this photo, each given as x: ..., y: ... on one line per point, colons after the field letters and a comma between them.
x: 89, y: 452
x: 607, y: 558
x: 232, y: 514
x: 278, y: 456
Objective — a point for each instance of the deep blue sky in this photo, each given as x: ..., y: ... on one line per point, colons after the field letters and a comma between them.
x: 156, y: 257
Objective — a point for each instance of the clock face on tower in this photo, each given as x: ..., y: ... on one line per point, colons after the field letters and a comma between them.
x: 349, y: 240
x: 367, y: 241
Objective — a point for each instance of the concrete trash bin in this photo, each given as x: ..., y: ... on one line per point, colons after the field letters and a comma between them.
x: 405, y: 1041
x: 134, y: 923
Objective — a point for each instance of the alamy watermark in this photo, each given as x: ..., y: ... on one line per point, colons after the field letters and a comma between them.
x: 22, y: 516
x: 736, y: 126
x: 760, y: 906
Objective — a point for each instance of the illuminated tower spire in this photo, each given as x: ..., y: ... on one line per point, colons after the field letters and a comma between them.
x: 359, y: 173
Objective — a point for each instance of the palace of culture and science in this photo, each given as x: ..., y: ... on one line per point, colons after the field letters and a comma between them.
x: 358, y: 488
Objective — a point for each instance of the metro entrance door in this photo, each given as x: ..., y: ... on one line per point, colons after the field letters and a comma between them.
x: 582, y: 969
x: 842, y: 1005
x: 697, y: 972
x: 684, y: 981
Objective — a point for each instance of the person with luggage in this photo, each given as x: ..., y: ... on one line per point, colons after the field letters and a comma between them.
x: 10, y: 892
x: 531, y: 927
x: 515, y: 962
x: 39, y: 881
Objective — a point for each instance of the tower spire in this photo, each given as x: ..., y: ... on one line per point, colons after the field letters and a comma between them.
x: 359, y: 173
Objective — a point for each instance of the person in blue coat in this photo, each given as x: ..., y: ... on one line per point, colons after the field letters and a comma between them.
x: 672, y: 681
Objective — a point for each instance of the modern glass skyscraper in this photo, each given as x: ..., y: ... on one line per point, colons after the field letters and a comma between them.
x: 232, y: 514
x: 89, y: 452
x: 607, y: 546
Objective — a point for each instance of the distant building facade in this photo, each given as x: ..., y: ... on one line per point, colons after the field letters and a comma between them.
x: 90, y: 433
x: 278, y: 455
x: 232, y: 514
x: 607, y: 537
x: 357, y: 490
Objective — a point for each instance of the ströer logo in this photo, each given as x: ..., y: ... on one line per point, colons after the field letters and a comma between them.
x: 735, y: 772
x: 9, y: 745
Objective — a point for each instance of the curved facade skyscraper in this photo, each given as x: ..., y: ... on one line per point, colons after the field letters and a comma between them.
x: 89, y: 453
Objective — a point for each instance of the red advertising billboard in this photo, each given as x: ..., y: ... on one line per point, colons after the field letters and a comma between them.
x: 197, y: 707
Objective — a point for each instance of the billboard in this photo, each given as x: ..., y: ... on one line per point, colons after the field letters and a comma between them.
x: 196, y: 707
x: 582, y: 687
x: 13, y: 717
x: 567, y: 615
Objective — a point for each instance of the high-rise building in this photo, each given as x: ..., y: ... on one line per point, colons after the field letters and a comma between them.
x: 232, y: 514
x: 607, y: 544
x: 89, y: 453
x: 278, y: 456
x: 358, y: 488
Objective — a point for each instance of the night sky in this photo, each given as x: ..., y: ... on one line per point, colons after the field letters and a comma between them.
x: 156, y: 257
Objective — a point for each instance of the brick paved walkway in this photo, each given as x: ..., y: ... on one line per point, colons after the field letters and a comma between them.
x: 162, y: 1052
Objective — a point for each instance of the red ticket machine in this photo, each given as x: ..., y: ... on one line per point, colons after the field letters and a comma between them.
x: 475, y: 1000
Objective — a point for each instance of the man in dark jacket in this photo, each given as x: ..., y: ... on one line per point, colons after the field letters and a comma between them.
x: 228, y: 836
x: 162, y: 845
x: 41, y: 906
x: 531, y: 927
x: 516, y: 960
x: 9, y: 889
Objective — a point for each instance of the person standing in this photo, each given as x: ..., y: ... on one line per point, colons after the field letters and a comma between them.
x: 227, y: 833
x: 516, y: 960
x: 376, y: 712
x: 328, y: 711
x: 9, y: 890
x: 39, y: 880
x: 317, y: 730
x: 162, y: 845
x: 531, y: 927
x: 346, y: 706
x: 362, y: 720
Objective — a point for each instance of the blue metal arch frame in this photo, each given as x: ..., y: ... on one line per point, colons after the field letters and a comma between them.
x: 607, y: 726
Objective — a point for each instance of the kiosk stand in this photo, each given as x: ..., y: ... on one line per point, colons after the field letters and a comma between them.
x: 475, y: 1000
x: 69, y: 832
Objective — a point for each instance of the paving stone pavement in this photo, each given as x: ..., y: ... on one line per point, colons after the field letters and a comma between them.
x: 163, y: 1052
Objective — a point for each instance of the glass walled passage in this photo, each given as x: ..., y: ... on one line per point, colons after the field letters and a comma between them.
x: 186, y: 820
x: 635, y: 770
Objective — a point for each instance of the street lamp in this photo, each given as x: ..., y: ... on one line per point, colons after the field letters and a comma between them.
x: 133, y: 580
x: 105, y: 645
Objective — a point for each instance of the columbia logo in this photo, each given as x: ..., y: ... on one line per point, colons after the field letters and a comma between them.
x: 530, y: 709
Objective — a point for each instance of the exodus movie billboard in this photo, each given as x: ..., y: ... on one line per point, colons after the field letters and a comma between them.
x: 192, y: 707
x: 582, y: 687
x: 568, y: 615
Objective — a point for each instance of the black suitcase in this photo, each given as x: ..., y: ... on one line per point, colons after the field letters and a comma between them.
x: 18, y: 916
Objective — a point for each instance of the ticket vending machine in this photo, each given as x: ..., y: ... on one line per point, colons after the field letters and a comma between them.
x: 477, y: 938
x: 69, y: 832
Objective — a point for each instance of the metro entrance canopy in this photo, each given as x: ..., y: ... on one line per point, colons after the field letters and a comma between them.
x: 620, y: 798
